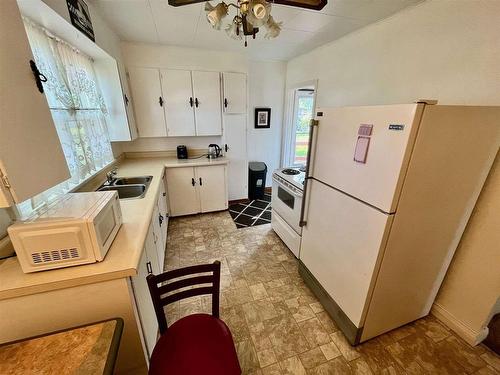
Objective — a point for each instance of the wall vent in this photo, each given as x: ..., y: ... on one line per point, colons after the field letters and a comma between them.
x: 55, y: 255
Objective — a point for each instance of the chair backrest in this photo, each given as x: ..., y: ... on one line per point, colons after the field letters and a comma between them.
x: 161, y: 297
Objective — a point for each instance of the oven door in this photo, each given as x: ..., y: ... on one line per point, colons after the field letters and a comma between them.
x: 287, y: 203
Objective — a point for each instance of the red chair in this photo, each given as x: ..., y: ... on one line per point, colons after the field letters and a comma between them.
x: 198, y: 344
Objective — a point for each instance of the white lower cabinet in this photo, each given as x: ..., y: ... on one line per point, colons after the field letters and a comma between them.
x: 193, y: 190
x: 147, y: 264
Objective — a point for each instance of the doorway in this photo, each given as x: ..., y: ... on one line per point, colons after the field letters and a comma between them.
x: 300, y: 111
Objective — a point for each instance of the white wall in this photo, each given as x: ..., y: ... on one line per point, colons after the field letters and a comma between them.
x: 266, y: 81
x: 445, y: 50
x: 472, y: 284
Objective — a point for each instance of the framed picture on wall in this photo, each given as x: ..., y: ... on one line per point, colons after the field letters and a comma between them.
x: 262, y: 118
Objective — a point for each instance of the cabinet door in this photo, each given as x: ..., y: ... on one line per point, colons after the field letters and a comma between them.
x: 158, y: 238
x: 179, y: 102
x: 235, y: 145
x: 235, y: 93
x: 145, y: 309
x: 28, y: 165
x: 148, y: 102
x: 151, y: 247
x: 163, y: 210
x: 208, y: 113
x: 182, y: 194
x: 212, y: 187
x: 127, y: 98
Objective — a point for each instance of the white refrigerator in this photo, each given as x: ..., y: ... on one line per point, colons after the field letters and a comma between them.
x: 388, y: 194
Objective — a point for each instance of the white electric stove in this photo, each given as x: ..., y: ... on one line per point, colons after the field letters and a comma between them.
x: 286, y: 203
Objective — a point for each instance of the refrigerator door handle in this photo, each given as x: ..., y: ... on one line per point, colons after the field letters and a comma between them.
x: 314, y: 123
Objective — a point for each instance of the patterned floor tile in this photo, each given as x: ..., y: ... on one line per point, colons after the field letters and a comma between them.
x: 279, y: 327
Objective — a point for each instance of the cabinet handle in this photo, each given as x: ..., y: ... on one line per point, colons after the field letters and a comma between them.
x: 226, y: 147
x: 125, y: 97
x: 201, y: 182
x: 225, y: 102
x: 39, y: 77
x: 160, y: 219
x: 191, y: 101
x: 160, y: 100
x: 193, y: 182
x: 196, y: 102
x: 164, y: 194
x: 149, y: 268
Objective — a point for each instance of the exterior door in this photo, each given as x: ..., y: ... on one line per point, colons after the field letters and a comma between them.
x: 27, y: 164
x: 212, y: 187
x: 235, y: 93
x: 208, y: 114
x: 148, y: 101
x: 179, y: 102
x: 342, y: 132
x: 182, y: 185
x: 342, y: 246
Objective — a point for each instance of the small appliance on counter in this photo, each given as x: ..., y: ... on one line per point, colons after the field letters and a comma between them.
x: 182, y: 152
x: 77, y: 229
x: 214, y: 151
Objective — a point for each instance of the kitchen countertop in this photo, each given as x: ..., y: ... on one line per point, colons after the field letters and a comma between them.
x: 90, y: 349
x: 125, y: 252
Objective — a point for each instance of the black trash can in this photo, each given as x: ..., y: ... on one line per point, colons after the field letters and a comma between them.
x: 257, y: 171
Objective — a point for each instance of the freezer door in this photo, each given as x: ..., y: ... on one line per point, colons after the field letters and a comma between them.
x: 364, y: 151
x: 341, y: 247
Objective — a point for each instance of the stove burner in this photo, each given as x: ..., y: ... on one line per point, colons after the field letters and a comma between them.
x: 290, y: 171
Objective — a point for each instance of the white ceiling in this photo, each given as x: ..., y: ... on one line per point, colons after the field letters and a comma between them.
x: 154, y: 21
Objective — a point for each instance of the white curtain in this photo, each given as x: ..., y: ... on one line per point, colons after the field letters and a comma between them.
x: 77, y: 108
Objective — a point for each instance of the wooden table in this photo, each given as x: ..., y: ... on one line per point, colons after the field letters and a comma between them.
x: 84, y: 350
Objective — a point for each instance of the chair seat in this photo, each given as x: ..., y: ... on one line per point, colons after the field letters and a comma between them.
x: 197, y: 344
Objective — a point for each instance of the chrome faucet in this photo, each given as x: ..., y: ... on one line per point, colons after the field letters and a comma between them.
x: 110, y: 176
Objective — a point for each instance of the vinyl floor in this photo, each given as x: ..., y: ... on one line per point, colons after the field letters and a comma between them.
x: 278, y: 325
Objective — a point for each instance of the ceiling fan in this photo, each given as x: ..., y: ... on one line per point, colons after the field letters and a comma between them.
x: 250, y: 15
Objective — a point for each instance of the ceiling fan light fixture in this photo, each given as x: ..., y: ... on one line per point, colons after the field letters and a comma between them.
x: 273, y: 28
x: 258, y: 12
x: 216, y: 14
x: 233, y: 30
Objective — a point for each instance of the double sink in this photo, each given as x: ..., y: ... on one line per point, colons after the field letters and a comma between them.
x: 128, y: 187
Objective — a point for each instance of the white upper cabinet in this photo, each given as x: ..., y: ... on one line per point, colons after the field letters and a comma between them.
x: 176, y: 103
x: 235, y: 93
x: 148, y: 101
x: 206, y: 91
x: 114, y: 87
x: 179, y: 102
x: 31, y: 157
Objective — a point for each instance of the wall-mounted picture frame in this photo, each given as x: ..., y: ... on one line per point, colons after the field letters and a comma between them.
x: 262, y: 118
x: 80, y: 17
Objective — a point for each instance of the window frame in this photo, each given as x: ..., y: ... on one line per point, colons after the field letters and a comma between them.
x: 291, y: 110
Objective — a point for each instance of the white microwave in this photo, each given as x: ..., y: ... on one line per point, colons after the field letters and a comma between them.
x: 77, y: 229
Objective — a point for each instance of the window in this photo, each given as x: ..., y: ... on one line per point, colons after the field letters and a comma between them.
x: 77, y: 108
x: 304, y: 101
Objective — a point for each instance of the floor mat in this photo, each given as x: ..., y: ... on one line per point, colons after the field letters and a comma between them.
x: 253, y: 213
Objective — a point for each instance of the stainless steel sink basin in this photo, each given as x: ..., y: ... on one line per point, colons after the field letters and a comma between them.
x: 144, y: 180
x: 127, y: 191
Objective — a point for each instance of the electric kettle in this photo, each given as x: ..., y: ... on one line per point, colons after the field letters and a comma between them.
x: 214, y: 151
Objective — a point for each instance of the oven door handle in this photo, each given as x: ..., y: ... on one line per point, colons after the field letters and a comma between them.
x: 303, y: 221
x: 287, y: 189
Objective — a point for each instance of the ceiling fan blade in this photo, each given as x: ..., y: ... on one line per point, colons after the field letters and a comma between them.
x: 179, y: 3
x: 308, y: 4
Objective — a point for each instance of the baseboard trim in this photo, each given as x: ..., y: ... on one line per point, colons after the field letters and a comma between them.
x: 469, y: 335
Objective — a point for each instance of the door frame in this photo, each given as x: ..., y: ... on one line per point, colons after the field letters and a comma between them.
x: 288, y: 130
